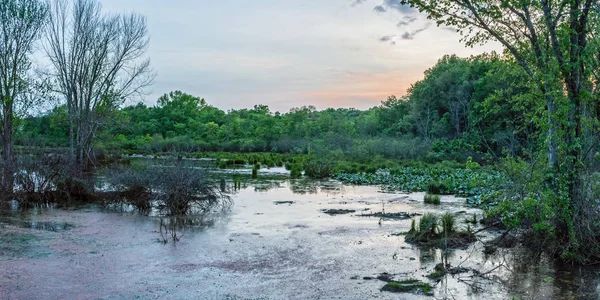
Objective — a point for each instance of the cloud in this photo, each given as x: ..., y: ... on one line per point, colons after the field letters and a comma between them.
x: 358, y: 2
x: 409, y: 35
x: 406, y: 21
x: 386, y: 38
x: 395, y: 5
x: 452, y: 29
x: 380, y: 9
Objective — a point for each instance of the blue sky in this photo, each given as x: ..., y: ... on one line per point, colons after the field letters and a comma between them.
x: 290, y: 53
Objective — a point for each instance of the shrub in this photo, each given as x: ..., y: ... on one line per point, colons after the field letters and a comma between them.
x: 176, y: 188
x: 134, y: 187
x: 318, y: 168
x: 296, y: 171
x: 182, y: 188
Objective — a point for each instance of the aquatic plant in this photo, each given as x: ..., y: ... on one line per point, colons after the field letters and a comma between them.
x: 318, y: 168
x: 476, y: 184
x: 296, y: 170
x: 428, y: 224
x: 448, y: 223
x: 439, y: 232
x: 432, y: 199
x: 255, y: 169
x: 413, y: 227
x: 408, y: 286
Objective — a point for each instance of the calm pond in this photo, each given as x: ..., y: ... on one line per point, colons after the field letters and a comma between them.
x: 276, y: 242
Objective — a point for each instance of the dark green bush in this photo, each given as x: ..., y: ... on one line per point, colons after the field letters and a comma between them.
x: 318, y: 168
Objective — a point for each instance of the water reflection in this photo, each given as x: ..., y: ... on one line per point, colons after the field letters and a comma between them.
x: 521, y: 274
x: 308, y: 186
x: 32, y: 224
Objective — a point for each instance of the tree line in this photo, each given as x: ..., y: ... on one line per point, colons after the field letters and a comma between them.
x: 458, y: 110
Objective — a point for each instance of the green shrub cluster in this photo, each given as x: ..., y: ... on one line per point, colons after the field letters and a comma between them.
x: 432, y: 199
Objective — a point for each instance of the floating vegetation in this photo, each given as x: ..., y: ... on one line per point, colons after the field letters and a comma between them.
x: 283, y: 202
x: 390, y: 216
x: 471, y: 183
x: 438, y: 273
x: 338, y: 211
x: 408, y: 286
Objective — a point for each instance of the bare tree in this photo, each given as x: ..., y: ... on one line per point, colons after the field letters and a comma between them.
x: 98, y: 62
x: 21, y: 22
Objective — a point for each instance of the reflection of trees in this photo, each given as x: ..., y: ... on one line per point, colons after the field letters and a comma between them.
x: 310, y: 186
x: 194, y: 223
x: 264, y: 186
x: 537, y: 276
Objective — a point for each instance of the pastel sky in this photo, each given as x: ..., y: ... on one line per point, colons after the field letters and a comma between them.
x: 290, y: 53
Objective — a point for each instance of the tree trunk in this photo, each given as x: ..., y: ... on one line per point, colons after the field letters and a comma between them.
x: 552, y: 143
x: 7, y: 151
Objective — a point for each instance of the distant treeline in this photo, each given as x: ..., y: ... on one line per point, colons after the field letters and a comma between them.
x: 475, y: 106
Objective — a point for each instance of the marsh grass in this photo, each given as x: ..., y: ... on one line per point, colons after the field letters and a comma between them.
x: 432, y: 199
x: 448, y: 222
x: 432, y: 230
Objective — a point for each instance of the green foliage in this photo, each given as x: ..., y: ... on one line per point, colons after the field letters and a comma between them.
x: 448, y: 222
x: 435, y: 231
x: 552, y: 198
x: 296, y: 171
x: 436, y: 188
x: 455, y: 181
x: 394, y: 130
x: 428, y: 224
x: 471, y: 164
x: 408, y: 286
x: 255, y: 169
x: 432, y: 199
x: 318, y: 168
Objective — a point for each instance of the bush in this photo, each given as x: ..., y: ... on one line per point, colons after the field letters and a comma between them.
x: 296, y: 171
x: 183, y: 188
x: 134, y: 186
x: 174, y: 187
x: 318, y: 168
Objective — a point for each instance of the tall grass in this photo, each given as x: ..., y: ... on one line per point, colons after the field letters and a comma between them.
x: 432, y: 199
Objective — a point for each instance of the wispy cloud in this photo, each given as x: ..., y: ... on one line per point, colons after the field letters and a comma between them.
x: 409, y: 35
x: 406, y: 21
x: 452, y: 29
x: 357, y: 2
x: 398, y: 6
x: 386, y: 38
x: 379, y: 9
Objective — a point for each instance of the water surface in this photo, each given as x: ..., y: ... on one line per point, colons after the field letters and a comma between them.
x: 275, y: 243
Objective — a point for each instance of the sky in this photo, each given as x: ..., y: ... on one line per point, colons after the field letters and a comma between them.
x: 289, y: 53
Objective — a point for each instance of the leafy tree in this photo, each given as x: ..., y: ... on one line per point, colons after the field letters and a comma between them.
x: 556, y: 44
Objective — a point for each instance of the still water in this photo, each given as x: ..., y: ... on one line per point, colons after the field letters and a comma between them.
x: 275, y: 243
